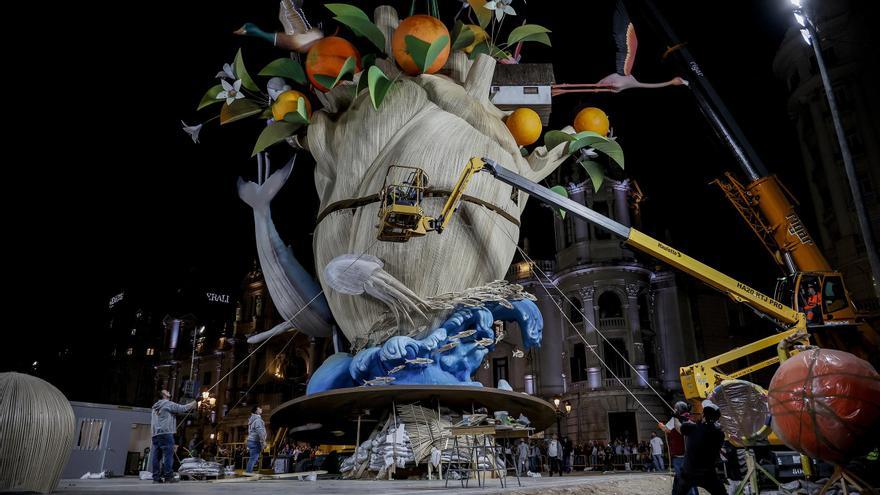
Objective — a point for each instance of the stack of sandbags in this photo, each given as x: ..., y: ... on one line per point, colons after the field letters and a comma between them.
x: 392, y: 448
x: 194, y: 467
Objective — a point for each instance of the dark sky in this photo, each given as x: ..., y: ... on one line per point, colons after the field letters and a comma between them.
x: 131, y: 202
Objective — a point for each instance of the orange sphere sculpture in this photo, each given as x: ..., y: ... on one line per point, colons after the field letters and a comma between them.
x: 425, y: 28
x: 326, y: 58
x: 824, y: 404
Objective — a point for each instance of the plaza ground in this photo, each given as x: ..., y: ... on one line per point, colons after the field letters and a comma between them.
x: 574, y: 484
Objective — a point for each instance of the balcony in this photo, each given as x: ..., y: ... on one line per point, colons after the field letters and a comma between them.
x: 613, y: 384
x: 612, y: 323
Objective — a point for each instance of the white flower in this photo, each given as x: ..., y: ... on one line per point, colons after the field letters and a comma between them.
x: 500, y: 7
x: 230, y: 91
x: 276, y: 86
x: 226, y: 73
x: 192, y: 130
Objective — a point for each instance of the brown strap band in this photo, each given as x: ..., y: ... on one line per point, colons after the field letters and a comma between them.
x: 349, y: 204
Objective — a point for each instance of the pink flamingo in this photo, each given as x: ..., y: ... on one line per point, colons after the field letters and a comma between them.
x: 627, y: 43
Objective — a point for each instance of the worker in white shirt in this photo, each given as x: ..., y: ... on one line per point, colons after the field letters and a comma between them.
x: 657, y: 452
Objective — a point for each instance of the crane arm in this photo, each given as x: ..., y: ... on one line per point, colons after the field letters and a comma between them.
x: 700, y: 378
x: 474, y: 165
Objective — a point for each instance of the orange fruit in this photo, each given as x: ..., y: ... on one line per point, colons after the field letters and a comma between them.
x: 326, y: 57
x: 592, y: 119
x: 480, y: 35
x: 425, y: 28
x: 525, y: 125
x: 287, y: 102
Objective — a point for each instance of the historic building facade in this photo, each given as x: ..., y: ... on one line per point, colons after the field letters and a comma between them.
x: 854, y: 80
x: 612, y: 322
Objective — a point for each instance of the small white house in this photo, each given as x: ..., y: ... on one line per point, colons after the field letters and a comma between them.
x: 523, y: 85
x: 104, y: 437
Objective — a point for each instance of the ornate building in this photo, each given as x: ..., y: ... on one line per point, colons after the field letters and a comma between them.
x: 603, y: 288
x: 276, y: 373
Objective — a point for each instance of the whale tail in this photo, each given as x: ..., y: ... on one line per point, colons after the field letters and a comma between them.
x: 258, y: 196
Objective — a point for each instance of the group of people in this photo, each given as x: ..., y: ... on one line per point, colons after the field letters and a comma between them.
x: 163, y: 427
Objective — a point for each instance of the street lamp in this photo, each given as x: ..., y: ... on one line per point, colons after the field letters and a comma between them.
x: 811, y: 36
x: 565, y: 410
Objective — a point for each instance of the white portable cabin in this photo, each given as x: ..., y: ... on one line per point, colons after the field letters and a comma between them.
x: 104, y: 436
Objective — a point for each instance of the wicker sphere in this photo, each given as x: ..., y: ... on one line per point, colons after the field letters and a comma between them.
x: 824, y: 404
x: 36, y: 433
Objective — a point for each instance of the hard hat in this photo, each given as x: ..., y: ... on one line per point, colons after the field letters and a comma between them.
x: 709, y: 404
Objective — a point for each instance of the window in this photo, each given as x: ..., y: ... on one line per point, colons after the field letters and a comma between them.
x: 833, y: 295
x: 90, y: 434
x: 574, y: 311
x: 134, y: 331
x: 615, y: 362
x: 578, y: 362
x: 530, y: 90
x: 150, y: 351
x: 206, y: 378
x: 644, y: 312
x: 499, y: 370
x: 129, y: 351
x: 610, y: 305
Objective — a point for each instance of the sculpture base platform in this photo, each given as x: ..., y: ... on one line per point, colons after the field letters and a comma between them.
x: 338, y: 412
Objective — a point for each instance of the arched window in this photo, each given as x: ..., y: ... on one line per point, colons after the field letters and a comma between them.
x: 610, y: 305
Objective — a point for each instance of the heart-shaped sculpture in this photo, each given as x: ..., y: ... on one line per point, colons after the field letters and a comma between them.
x: 436, y: 123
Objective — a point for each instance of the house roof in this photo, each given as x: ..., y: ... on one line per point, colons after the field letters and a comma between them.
x: 523, y: 75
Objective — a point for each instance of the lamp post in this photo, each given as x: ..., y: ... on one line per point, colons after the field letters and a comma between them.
x: 810, y: 34
x: 565, y: 410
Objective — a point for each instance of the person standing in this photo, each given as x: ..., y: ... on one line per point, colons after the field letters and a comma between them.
x: 256, y: 438
x: 657, y: 452
x: 554, y: 455
x: 534, y: 458
x: 676, y: 442
x: 703, y: 443
x: 522, y: 457
x: 163, y: 426
x: 567, y: 448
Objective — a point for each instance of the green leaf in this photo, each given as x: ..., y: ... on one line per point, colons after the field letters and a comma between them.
x: 365, y: 28
x: 210, y: 97
x: 595, y: 171
x: 239, y: 109
x: 482, y: 47
x: 362, y: 83
x: 267, y: 113
x: 612, y: 149
x: 368, y: 61
x: 330, y: 82
x: 520, y: 33
x: 425, y: 54
x: 285, y: 67
x: 242, y: 73
x: 344, y: 9
x: 538, y: 37
x: 379, y: 85
x: 299, y: 117
x: 585, y: 138
x: 562, y: 191
x: 484, y: 15
x: 274, y: 133
x: 552, y: 139
x: 462, y: 35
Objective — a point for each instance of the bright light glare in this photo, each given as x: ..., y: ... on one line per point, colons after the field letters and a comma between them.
x: 799, y: 18
x: 806, y: 36
x: 796, y: 3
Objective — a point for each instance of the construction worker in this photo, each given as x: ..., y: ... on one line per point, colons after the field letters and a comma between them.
x: 163, y: 426
x: 256, y: 439
x: 676, y: 441
x: 813, y: 305
x: 703, y: 443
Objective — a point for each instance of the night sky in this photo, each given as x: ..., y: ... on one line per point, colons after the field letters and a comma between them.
x: 131, y: 203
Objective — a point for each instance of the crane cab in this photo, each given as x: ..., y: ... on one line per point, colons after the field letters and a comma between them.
x: 400, y: 212
x: 832, y: 319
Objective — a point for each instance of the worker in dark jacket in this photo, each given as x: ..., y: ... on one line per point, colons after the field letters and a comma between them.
x: 163, y: 426
x: 703, y: 443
